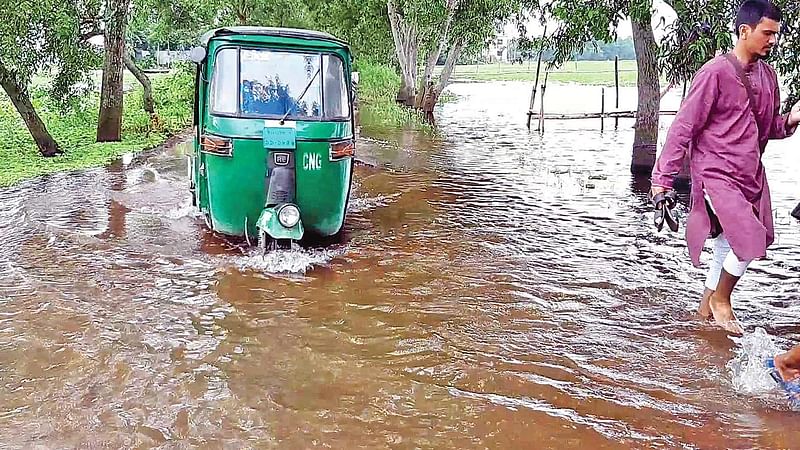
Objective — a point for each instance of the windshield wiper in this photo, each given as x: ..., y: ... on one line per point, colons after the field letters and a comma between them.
x: 283, y: 119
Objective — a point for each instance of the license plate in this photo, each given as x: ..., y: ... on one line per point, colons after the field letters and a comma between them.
x: 280, y: 137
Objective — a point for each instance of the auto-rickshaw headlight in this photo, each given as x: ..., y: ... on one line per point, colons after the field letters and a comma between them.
x: 289, y: 215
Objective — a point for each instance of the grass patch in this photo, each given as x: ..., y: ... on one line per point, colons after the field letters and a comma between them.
x: 594, y: 73
x: 75, y: 129
x: 377, y: 90
x: 448, y: 97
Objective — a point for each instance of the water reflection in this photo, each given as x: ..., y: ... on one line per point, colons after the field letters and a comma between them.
x: 493, y: 289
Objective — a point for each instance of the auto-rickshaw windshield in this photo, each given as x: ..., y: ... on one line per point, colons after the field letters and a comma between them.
x: 270, y: 83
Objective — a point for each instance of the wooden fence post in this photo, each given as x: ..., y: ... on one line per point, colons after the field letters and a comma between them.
x: 602, y: 109
x: 536, y: 81
x: 616, y: 87
x: 541, y: 105
x: 533, y: 93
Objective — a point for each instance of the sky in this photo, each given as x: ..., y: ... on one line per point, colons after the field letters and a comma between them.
x: 623, y: 31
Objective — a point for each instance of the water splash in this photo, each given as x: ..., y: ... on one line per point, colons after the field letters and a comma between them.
x: 145, y: 174
x: 361, y: 204
x: 294, y: 260
x: 127, y: 159
x: 186, y: 209
x: 749, y: 374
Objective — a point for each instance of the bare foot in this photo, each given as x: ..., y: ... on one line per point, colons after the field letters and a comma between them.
x: 722, y: 312
x: 704, y: 310
x: 787, y: 373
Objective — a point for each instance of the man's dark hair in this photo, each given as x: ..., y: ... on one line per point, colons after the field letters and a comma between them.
x: 752, y: 11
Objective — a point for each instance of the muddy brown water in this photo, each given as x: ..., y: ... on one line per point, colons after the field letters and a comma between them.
x: 494, y: 289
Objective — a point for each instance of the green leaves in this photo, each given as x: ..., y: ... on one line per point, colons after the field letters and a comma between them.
x: 44, y: 34
x: 785, y: 60
x: 702, y: 29
x: 362, y: 23
x: 582, y: 21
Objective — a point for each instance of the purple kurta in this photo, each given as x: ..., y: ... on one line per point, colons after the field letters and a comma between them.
x: 715, y: 127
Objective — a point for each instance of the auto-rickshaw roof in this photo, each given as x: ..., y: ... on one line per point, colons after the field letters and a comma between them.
x: 295, y: 33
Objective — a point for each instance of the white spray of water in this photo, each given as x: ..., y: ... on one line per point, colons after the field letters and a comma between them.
x: 294, y: 260
x: 145, y: 174
x: 749, y: 374
x: 359, y: 204
x: 127, y: 158
x: 186, y: 209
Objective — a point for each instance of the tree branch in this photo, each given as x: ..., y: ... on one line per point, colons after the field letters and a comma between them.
x: 148, y: 103
x: 90, y: 34
x: 669, y: 3
x: 90, y: 27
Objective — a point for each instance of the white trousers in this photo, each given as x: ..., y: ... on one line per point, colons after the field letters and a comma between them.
x: 723, y: 258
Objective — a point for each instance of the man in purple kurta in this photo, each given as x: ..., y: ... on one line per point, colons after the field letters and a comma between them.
x: 724, y: 138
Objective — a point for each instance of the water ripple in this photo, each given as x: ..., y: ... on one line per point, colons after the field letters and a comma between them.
x: 492, y: 288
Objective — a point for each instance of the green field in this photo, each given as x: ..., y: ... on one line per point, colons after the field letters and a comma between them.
x: 595, y: 73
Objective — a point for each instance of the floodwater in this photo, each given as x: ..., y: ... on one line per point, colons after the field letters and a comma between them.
x: 494, y: 289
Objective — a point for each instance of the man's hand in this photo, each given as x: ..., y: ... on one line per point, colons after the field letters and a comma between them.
x: 655, y: 190
x: 794, y: 116
x: 663, y: 201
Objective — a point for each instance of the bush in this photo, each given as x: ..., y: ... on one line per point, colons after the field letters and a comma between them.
x: 147, y: 62
x: 377, y: 91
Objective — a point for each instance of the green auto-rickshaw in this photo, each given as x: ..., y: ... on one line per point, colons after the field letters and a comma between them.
x: 274, y: 142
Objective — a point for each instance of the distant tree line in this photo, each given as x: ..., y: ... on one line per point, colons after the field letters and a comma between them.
x: 601, y: 51
x: 592, y: 51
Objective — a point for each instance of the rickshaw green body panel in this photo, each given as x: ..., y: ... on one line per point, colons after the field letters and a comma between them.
x: 231, y: 190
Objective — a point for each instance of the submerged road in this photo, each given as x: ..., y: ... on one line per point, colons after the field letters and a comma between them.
x: 494, y: 289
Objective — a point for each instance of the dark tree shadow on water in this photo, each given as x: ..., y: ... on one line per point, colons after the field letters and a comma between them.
x: 117, y: 212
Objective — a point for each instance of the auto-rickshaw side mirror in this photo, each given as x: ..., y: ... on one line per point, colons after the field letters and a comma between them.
x: 197, y: 54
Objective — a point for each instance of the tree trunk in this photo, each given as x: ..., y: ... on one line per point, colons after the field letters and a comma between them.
x: 109, y: 124
x: 406, y: 48
x: 409, y: 76
x: 240, y: 10
x: 407, y: 92
x: 426, y: 81
x: 241, y: 15
x: 433, y: 56
x: 432, y: 92
x: 147, y: 98
x: 450, y: 64
x: 646, y: 128
x: 22, y: 102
